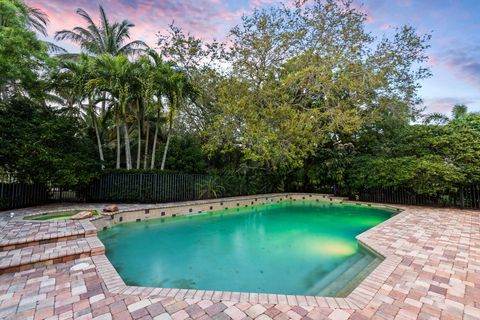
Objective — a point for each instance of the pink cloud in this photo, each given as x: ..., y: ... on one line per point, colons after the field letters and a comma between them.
x: 443, y: 105
x: 366, y: 10
x: 206, y: 19
x: 385, y: 26
x: 464, y: 63
x: 432, y: 60
x: 259, y: 3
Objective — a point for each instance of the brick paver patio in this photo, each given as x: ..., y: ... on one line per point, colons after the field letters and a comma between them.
x: 431, y: 271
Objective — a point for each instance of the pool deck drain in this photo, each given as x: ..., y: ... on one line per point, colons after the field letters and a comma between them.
x: 431, y: 271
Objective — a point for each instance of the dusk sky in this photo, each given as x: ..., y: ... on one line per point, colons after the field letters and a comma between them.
x: 454, y: 25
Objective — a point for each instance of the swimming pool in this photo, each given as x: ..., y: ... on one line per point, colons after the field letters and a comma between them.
x: 301, y: 248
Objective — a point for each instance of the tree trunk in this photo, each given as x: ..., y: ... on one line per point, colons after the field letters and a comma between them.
x: 128, y: 154
x: 147, y: 127
x: 139, y: 147
x: 104, y: 97
x: 155, y: 138
x: 97, y: 134
x: 118, y: 145
x: 162, y: 167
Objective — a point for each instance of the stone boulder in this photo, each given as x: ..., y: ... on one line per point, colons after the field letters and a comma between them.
x: 111, y: 208
x: 82, y: 215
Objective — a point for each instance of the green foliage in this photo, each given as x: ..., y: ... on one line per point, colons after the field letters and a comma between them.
x: 469, y: 120
x: 43, y: 145
x: 425, y: 175
x: 306, y: 77
x: 22, y: 56
x: 274, y: 136
x: 211, y: 188
x: 185, y: 155
x: 427, y: 159
x: 459, y: 111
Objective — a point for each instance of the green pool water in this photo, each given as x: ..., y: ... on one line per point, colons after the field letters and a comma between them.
x: 301, y: 247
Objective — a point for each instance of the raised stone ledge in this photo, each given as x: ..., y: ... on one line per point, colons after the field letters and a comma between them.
x: 50, y: 253
x: 21, y: 234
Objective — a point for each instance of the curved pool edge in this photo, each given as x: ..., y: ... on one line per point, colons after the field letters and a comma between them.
x: 358, y: 298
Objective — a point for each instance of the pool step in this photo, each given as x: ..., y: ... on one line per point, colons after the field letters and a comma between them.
x: 345, y: 291
x: 346, y: 278
x: 343, y: 279
x: 333, y: 275
x: 22, y: 234
x: 45, y: 254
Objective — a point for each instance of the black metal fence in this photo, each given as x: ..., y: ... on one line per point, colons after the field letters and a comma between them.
x: 118, y: 187
x: 465, y: 197
x: 149, y: 187
x: 170, y: 187
x: 19, y: 195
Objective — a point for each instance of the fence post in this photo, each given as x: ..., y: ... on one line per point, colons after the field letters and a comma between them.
x: 462, y: 198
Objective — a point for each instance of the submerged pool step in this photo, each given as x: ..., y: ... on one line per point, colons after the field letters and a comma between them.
x: 343, y: 279
x: 346, y: 278
x: 352, y: 284
x: 50, y: 253
x: 333, y: 275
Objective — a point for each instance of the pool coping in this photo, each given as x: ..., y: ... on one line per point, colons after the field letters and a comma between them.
x: 359, y: 298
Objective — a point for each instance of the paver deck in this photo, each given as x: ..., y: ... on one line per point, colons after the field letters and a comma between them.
x: 49, y: 253
x: 18, y: 234
x: 431, y: 271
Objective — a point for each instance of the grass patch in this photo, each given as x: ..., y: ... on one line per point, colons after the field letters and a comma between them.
x: 58, y: 215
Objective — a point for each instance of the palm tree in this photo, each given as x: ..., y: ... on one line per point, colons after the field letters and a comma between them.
x: 105, y: 38
x: 149, y: 85
x: 111, y: 38
x: 70, y: 85
x: 179, y: 90
x: 155, y: 85
x: 117, y: 76
x: 459, y: 111
x: 34, y: 19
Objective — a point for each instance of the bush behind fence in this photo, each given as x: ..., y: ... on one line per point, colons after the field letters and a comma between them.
x: 146, y: 187
x: 169, y: 187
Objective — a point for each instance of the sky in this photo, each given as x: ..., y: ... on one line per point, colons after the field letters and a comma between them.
x: 454, y: 56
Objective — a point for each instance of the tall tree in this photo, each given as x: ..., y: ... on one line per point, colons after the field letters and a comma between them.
x: 152, y: 89
x: 306, y: 76
x: 70, y: 83
x: 23, y: 58
x: 178, y: 92
x: 117, y: 76
x: 204, y: 64
x: 106, y: 37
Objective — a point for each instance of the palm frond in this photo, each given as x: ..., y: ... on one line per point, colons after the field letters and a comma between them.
x: 133, y: 48
x: 104, y: 37
x: 52, y: 47
x: 68, y: 35
x: 84, y: 14
x: 68, y: 56
x: 38, y: 20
